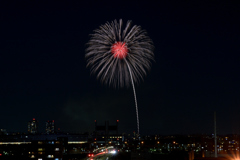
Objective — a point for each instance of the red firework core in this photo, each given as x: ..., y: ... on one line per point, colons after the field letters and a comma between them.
x: 119, y: 50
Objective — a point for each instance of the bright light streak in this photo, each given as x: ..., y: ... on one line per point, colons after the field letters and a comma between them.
x: 113, y: 151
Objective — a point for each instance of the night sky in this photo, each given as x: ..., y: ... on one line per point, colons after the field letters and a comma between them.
x: 43, y: 72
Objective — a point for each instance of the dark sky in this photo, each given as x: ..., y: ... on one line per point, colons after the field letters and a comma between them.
x: 43, y: 72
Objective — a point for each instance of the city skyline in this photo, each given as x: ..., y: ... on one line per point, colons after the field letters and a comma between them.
x: 43, y: 70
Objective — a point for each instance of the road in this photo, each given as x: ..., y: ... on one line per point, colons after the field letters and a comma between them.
x: 105, y: 154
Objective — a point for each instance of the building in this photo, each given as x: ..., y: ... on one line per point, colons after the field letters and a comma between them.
x: 107, y: 134
x: 33, y: 126
x: 43, y: 146
x: 50, y: 127
x: 106, y: 129
x: 48, y: 149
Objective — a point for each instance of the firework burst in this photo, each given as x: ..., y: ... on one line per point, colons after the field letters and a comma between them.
x: 120, y: 56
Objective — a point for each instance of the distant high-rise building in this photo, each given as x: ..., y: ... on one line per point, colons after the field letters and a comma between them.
x: 3, y: 132
x: 107, y: 133
x: 50, y: 127
x: 33, y: 126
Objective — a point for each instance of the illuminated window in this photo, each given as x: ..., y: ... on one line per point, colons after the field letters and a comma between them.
x: 40, y: 149
x: 32, y: 156
x: 50, y: 156
x: 39, y: 142
x: 39, y: 158
x: 56, y: 159
x: 56, y: 149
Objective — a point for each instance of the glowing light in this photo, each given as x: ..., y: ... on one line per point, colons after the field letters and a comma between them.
x: 234, y: 156
x: 76, y: 142
x: 119, y: 50
x: 113, y: 152
x: 50, y: 156
x: 2, y: 143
